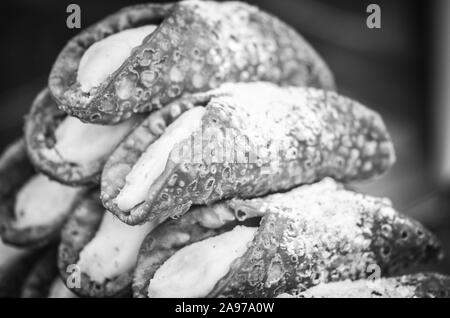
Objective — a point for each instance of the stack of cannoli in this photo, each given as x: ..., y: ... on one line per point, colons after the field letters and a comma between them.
x: 199, y: 149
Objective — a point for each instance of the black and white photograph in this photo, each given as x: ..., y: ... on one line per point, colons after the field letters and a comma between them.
x: 260, y: 152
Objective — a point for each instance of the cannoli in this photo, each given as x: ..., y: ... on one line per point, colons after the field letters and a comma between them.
x: 103, y: 249
x: 200, y: 223
x: 312, y: 234
x: 32, y: 207
x: 422, y: 285
x: 66, y: 149
x: 243, y: 140
x: 144, y: 56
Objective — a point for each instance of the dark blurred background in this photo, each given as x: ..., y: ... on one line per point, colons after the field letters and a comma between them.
x: 397, y: 70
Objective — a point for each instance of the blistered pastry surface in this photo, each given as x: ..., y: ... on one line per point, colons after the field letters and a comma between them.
x: 297, y: 136
x: 197, y: 46
x: 326, y: 236
x: 122, y: 160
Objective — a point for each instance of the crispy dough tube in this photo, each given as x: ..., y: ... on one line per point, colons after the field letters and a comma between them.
x: 200, y: 223
x: 312, y: 234
x: 32, y: 207
x: 104, y: 249
x: 39, y: 280
x: 66, y: 149
x: 77, y: 232
x: 14, y: 265
x: 253, y: 139
x: 421, y: 285
x: 196, y: 46
x: 122, y: 160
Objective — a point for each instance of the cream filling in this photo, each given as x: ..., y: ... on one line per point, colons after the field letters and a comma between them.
x: 8, y: 253
x: 214, y: 216
x: 152, y: 162
x: 83, y: 143
x: 104, y: 57
x: 42, y: 201
x: 114, y: 249
x: 60, y: 290
x: 194, y: 270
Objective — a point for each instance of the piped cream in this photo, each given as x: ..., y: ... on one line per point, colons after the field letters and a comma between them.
x: 194, y: 270
x: 152, y: 162
x: 114, y: 249
x: 42, y: 201
x: 104, y: 57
